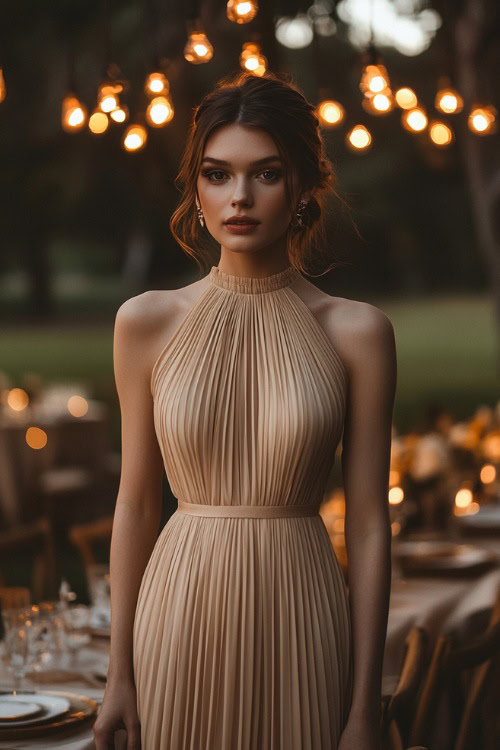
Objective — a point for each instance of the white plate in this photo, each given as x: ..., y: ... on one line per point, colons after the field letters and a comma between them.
x: 11, y: 709
x: 52, y: 705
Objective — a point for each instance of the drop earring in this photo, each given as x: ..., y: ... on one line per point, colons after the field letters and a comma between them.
x: 299, y: 214
x: 200, y: 215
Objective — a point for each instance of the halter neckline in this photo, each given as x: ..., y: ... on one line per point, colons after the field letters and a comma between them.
x: 252, y: 284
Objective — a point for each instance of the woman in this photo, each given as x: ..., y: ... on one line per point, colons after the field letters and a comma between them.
x: 234, y: 628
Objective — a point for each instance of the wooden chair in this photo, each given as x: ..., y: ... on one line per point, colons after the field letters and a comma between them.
x: 398, y: 707
x: 32, y: 541
x: 85, y: 535
x: 466, y: 693
x: 14, y: 597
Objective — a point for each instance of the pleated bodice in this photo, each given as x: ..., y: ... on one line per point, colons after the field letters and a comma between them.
x: 249, y: 396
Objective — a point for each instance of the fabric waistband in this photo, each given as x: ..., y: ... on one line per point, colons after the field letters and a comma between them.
x: 247, y: 511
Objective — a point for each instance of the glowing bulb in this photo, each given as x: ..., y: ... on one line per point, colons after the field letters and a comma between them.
x: 78, y: 406
x: 358, y: 138
x: 406, y: 98
x: 448, y: 101
x: 159, y: 111
x: 414, y: 119
x: 198, y: 49
x: 396, y: 495
x: 241, y: 12
x: 374, y: 80
x: 252, y: 60
x: 482, y: 120
x: 488, y: 474
x: 74, y: 114
x: 331, y: 112
x: 156, y: 83
x: 17, y: 399
x: 98, y: 122
x: 134, y: 138
x: 463, y: 498
x: 440, y: 133
x: 120, y: 114
x: 36, y: 438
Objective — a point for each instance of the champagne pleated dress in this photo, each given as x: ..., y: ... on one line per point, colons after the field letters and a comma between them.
x: 242, y: 631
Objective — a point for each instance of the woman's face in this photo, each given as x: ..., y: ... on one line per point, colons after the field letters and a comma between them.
x: 231, y: 181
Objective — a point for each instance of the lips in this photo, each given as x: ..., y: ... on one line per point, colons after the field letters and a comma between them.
x: 245, y: 220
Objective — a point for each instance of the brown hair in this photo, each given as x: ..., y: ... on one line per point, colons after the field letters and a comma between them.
x: 277, y: 106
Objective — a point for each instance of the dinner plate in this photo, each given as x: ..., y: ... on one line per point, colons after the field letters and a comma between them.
x: 445, y: 557
x: 51, y: 706
x: 81, y: 708
x: 13, y: 709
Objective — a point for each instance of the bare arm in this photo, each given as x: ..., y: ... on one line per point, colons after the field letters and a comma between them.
x: 372, y: 368
x: 138, y: 506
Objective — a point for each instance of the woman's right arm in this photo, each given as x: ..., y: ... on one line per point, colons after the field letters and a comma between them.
x: 137, y: 513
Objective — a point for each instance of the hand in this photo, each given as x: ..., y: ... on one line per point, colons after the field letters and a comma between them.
x: 360, y: 734
x: 118, y: 711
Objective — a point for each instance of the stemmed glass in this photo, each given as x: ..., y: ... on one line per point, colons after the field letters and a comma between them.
x: 18, y: 626
x: 76, y: 618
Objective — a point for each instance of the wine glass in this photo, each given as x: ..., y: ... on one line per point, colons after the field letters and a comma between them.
x: 76, y: 618
x: 18, y: 626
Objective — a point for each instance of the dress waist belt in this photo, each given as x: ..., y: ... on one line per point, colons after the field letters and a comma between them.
x: 247, y: 511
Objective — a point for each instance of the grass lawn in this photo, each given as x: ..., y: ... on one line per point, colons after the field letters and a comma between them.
x: 445, y: 345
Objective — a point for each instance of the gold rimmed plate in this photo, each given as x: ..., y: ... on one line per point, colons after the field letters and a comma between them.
x: 78, y: 709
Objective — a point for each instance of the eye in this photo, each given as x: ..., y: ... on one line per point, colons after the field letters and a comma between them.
x: 210, y: 175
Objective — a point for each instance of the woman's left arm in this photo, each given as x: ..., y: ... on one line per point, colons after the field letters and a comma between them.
x: 366, y: 447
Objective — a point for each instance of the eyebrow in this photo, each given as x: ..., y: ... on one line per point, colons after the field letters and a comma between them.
x: 225, y: 163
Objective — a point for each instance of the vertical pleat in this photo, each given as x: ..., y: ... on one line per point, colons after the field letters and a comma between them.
x: 242, y: 637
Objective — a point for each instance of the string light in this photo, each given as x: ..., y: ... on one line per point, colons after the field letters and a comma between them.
x: 330, y: 113
x: 406, y: 98
x: 374, y: 79
x: 107, y: 96
x: 134, y: 138
x: 98, y: 122
x: 359, y: 138
x: 440, y: 133
x: 159, y: 111
x: 198, y: 49
x: 156, y: 84
x: 414, y: 120
x: 120, y: 114
x: 482, y: 120
x: 241, y: 12
x: 448, y: 101
x: 252, y: 60
x: 73, y: 114
x: 379, y: 104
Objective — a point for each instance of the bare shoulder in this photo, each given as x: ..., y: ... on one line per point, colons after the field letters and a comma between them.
x: 364, y: 334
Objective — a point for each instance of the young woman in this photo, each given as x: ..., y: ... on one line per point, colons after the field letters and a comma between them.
x: 234, y: 628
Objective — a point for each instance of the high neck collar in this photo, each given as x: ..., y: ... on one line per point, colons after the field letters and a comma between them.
x: 252, y: 284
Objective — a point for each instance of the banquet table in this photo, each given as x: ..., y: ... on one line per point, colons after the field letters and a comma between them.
x: 437, y: 603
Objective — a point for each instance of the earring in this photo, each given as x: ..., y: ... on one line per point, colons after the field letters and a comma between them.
x: 302, y: 207
x: 200, y: 215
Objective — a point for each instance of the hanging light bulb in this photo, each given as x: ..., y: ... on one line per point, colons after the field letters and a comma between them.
x: 198, y: 49
x: 156, y: 84
x: 448, y: 101
x: 379, y: 104
x: 159, y: 111
x: 120, y: 114
x: 252, y: 60
x: 440, y: 133
x: 3, y: 88
x: 242, y: 12
x: 98, y: 122
x: 406, y: 98
x: 374, y: 80
x: 107, y: 96
x: 330, y: 113
x: 415, y: 119
x: 134, y: 138
x: 74, y: 114
x: 358, y: 138
x: 482, y: 120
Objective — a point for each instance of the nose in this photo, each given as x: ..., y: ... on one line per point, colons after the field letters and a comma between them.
x: 241, y: 195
